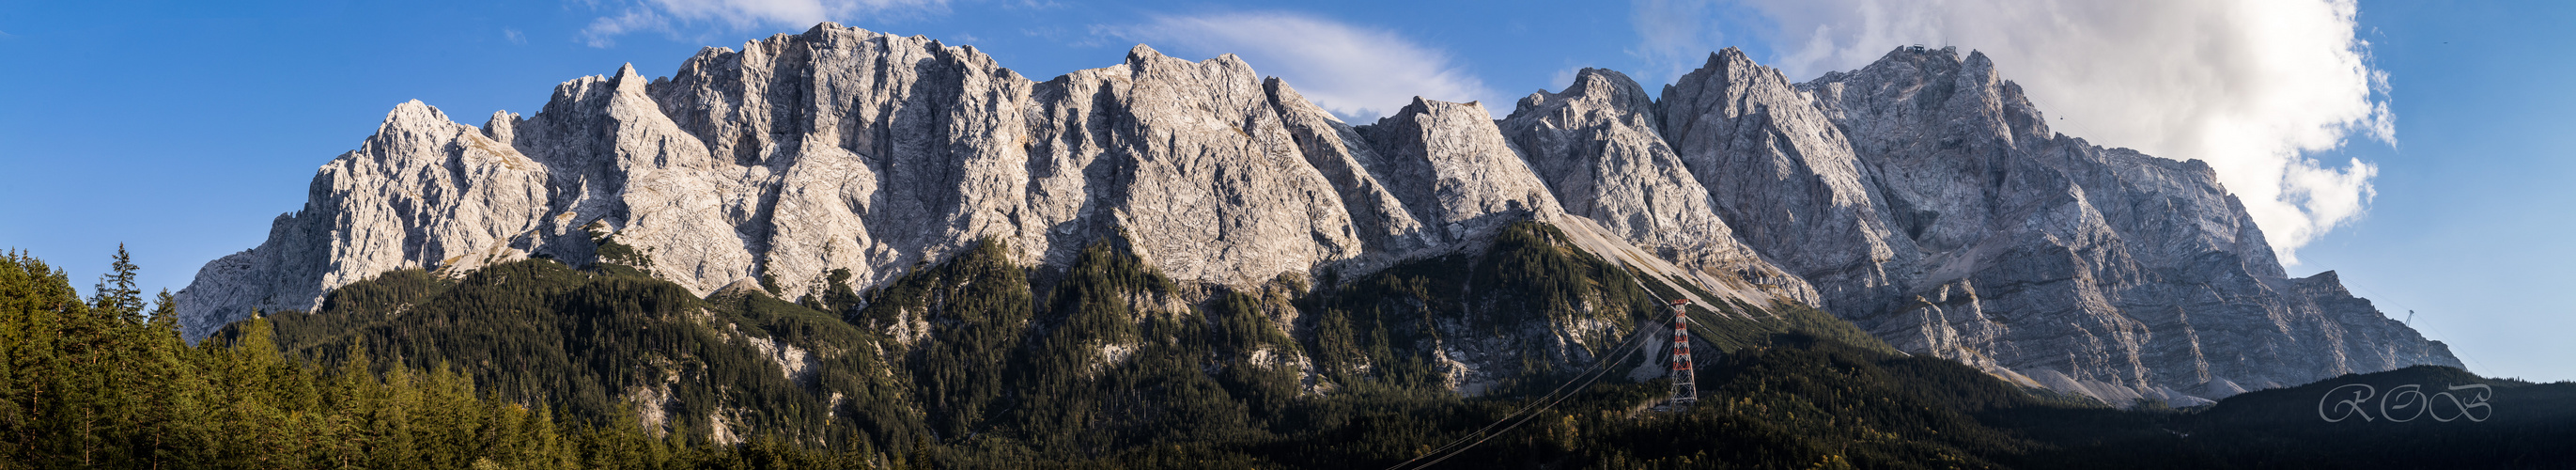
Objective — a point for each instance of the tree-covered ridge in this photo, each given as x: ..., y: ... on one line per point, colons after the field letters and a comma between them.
x: 2403, y: 420
x: 107, y: 383
x: 607, y: 343
x: 977, y: 362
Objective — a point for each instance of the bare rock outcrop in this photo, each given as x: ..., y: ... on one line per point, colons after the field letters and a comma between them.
x: 840, y: 148
x: 423, y: 192
x: 1598, y: 145
x: 1929, y: 202
x: 1922, y: 197
x: 1463, y: 179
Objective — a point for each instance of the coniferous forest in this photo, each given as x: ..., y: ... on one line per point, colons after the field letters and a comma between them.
x: 106, y: 382
x: 977, y: 362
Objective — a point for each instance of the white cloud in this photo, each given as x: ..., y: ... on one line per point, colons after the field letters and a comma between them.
x: 1674, y: 36
x: 1357, y: 73
x: 668, y: 16
x: 1563, y: 78
x: 2253, y: 87
x: 514, y: 36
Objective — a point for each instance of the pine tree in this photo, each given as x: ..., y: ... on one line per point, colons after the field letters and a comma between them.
x: 115, y: 295
x: 103, y: 382
x: 35, y: 300
x: 165, y: 426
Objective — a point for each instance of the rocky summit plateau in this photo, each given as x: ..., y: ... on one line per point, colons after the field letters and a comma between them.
x: 1922, y: 198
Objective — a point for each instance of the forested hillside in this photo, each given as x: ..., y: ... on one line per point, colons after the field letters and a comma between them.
x: 2417, y: 417
x: 105, y: 382
x: 976, y: 362
x: 609, y: 344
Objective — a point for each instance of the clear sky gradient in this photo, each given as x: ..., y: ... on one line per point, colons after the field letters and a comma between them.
x: 183, y: 128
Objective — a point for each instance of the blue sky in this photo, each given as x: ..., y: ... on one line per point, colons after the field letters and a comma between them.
x: 2417, y: 148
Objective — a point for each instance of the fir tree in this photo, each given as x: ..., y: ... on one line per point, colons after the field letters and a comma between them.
x: 115, y: 295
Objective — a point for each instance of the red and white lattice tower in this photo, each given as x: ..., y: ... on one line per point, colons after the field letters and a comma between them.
x: 1685, y: 392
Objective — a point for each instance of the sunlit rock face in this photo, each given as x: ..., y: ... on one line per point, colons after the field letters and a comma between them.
x: 1601, y: 151
x: 1921, y: 197
x: 1929, y: 202
x: 842, y: 148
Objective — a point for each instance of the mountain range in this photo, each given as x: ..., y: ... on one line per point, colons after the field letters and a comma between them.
x: 1922, y: 199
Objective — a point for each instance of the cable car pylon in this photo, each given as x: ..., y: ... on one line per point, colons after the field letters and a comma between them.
x: 1685, y: 387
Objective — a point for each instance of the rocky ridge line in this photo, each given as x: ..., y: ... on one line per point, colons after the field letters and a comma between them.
x: 1921, y: 197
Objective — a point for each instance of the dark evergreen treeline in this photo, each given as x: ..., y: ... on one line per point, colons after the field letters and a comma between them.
x: 597, y: 344
x: 2520, y: 425
x: 106, y: 382
x: 978, y: 362
x: 964, y: 363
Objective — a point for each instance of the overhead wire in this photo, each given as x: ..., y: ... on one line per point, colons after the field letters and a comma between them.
x: 1551, y: 399
x: 1598, y: 370
x: 1596, y: 377
x: 2410, y: 316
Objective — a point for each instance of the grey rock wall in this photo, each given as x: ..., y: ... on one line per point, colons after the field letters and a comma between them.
x: 1602, y: 153
x: 1921, y: 197
x: 1994, y: 241
x: 843, y: 148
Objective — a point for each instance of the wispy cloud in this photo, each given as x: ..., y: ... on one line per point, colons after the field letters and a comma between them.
x: 1356, y: 72
x: 514, y: 36
x: 2256, y: 88
x: 1673, y: 36
x: 675, y: 16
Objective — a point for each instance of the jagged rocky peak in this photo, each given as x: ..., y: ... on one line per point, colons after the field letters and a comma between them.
x: 1195, y: 161
x: 1343, y: 157
x: 1938, y: 83
x: 840, y: 148
x: 423, y: 192
x: 1596, y: 90
x: 1451, y: 158
x: 1598, y: 146
x: 1922, y: 197
x: 1993, y: 241
x: 1784, y: 177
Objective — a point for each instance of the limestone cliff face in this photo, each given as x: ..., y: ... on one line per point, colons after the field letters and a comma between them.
x: 841, y: 148
x: 1921, y: 197
x: 1601, y: 151
x: 423, y: 191
x: 1459, y: 174
x: 1928, y: 200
